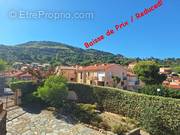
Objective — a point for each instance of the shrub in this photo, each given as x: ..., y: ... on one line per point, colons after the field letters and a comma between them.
x: 119, y: 129
x: 104, y: 125
x: 152, y: 90
x: 85, y: 113
x: 54, y: 91
x: 148, y: 72
x: 164, y: 91
x: 24, y: 86
x: 27, y: 88
x: 3, y: 65
x: 174, y: 93
x: 135, y: 105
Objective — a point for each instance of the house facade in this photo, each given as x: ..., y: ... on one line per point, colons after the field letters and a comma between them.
x: 19, y: 75
x: 103, y: 75
x: 70, y: 73
x: 133, y: 81
x: 165, y: 70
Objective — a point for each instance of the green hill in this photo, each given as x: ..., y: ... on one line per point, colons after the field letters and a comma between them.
x: 56, y: 53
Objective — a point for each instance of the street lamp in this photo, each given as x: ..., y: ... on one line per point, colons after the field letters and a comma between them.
x: 158, y: 90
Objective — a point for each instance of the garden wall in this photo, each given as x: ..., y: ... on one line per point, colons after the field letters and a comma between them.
x: 158, y: 115
x: 2, y: 120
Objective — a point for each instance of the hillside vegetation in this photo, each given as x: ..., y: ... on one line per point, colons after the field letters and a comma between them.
x: 58, y: 53
x: 55, y: 53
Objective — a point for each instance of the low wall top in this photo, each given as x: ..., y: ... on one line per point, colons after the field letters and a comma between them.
x: 1, y: 106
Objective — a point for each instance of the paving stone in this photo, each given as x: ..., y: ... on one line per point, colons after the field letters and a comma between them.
x: 44, y: 123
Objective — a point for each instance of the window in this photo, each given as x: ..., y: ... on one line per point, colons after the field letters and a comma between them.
x: 91, y: 82
x: 110, y: 74
x: 81, y: 75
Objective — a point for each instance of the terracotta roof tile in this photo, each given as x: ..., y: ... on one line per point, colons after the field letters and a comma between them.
x: 95, y: 67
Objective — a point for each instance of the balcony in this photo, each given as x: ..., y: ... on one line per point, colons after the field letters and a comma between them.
x: 124, y: 78
x: 101, y: 79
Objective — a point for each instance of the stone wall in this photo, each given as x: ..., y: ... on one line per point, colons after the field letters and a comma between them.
x: 2, y: 83
x: 3, y: 114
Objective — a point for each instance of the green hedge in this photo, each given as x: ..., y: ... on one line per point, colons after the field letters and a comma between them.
x: 24, y: 86
x: 27, y: 88
x: 158, y: 115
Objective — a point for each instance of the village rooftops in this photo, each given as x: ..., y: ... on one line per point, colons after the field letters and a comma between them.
x: 131, y: 74
x: 96, y: 67
x: 67, y: 68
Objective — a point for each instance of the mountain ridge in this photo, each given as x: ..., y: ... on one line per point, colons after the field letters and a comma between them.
x: 57, y: 53
x: 54, y: 52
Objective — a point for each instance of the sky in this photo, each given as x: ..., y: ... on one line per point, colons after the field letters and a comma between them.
x: 154, y: 35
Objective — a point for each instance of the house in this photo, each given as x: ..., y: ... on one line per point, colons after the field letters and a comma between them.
x: 165, y: 70
x: 103, y: 75
x: 17, y: 65
x: 133, y: 81
x: 131, y: 66
x: 19, y: 75
x: 172, y: 82
x: 68, y: 72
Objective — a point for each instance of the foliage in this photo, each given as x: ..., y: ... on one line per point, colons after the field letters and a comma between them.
x: 40, y: 75
x: 135, y: 105
x: 62, y: 54
x: 54, y: 91
x: 57, y: 54
x: 177, y: 69
x: 148, y: 72
x: 85, y: 113
x: 120, y: 129
x: 174, y: 93
x: 116, y: 80
x: 24, y: 86
x: 153, y: 90
x: 27, y: 89
x: 3, y: 65
x: 104, y: 125
x: 164, y: 91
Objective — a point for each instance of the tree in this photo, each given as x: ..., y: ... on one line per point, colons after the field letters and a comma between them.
x: 2, y: 65
x: 40, y: 75
x: 116, y: 80
x: 177, y: 69
x: 148, y: 72
x: 157, y: 90
x: 54, y: 91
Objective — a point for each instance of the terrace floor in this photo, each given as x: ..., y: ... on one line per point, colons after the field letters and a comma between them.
x: 25, y: 122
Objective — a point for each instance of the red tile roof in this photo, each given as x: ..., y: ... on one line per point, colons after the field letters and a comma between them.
x: 17, y: 74
x: 96, y: 67
x: 131, y: 74
x: 174, y: 86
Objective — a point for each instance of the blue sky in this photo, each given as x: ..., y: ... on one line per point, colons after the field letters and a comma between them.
x: 156, y: 35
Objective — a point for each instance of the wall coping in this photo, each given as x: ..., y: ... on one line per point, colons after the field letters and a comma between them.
x: 1, y: 106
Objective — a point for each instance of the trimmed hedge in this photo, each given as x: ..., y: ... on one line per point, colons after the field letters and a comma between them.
x: 27, y: 88
x: 158, y: 115
x: 24, y: 86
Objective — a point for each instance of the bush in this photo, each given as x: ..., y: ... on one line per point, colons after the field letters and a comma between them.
x: 119, y: 129
x: 85, y: 113
x: 54, y: 91
x: 135, y: 105
x: 152, y: 90
x: 27, y: 89
x: 148, y: 72
x: 24, y: 86
x: 174, y: 93
x: 104, y: 125
x: 164, y: 91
